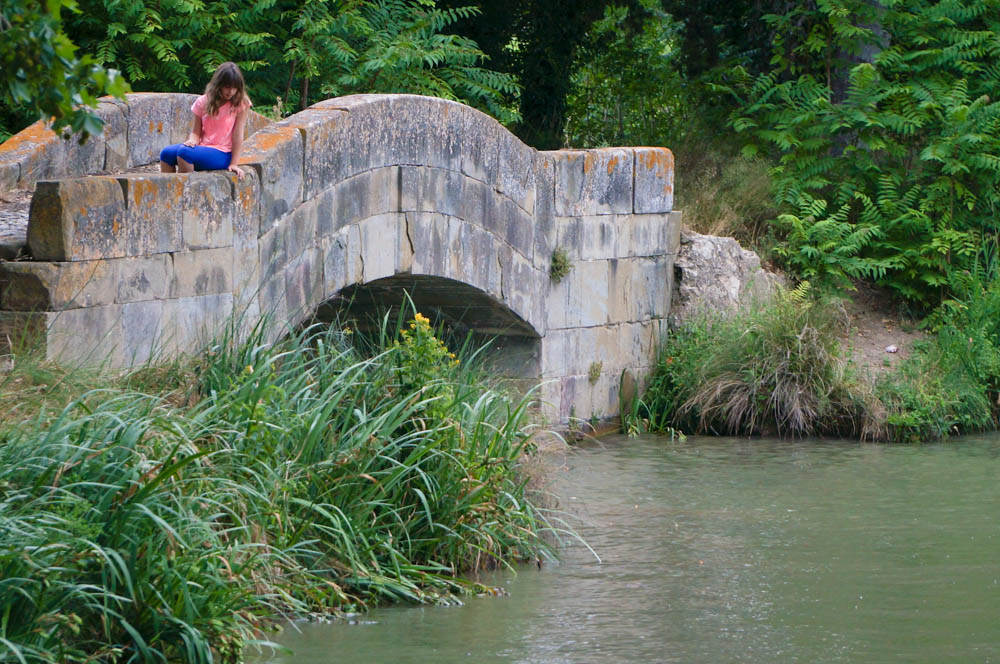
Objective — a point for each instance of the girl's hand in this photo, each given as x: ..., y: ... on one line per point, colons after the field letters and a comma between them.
x: 236, y: 169
x: 191, y: 142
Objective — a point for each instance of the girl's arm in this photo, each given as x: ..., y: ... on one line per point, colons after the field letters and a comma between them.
x: 238, y: 143
x: 194, y: 138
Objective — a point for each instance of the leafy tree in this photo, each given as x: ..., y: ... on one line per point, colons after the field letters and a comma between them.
x: 896, y: 176
x: 627, y: 89
x: 40, y: 72
x: 538, y: 42
x: 294, y: 50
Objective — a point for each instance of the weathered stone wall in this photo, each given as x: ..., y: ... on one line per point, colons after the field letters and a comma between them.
x: 613, y: 217
x: 353, y: 191
x: 134, y: 133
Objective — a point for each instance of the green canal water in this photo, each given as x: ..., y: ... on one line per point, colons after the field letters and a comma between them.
x: 729, y: 550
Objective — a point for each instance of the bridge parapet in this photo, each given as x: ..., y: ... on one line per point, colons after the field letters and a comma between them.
x: 134, y: 132
x: 369, y: 191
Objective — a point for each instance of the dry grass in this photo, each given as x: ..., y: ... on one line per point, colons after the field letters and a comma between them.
x: 725, y: 196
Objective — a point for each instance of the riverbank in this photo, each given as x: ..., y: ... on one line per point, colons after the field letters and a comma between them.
x: 171, y: 512
x: 808, y: 364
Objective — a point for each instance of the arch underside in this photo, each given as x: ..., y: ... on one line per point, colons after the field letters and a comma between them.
x: 464, y: 311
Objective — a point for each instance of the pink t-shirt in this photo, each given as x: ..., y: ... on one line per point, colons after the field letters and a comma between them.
x: 217, y: 130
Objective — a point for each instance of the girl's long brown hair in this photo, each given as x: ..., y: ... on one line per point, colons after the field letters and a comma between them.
x: 228, y: 75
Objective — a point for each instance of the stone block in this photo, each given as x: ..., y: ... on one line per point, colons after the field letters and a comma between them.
x: 254, y: 123
x: 581, y: 298
x: 654, y: 181
x: 115, y: 136
x: 273, y: 305
x: 365, y: 195
x: 143, y: 278
x: 429, y: 237
x: 156, y: 120
x: 209, y: 210
x: 45, y: 286
x: 246, y: 273
x: 38, y: 152
x: 301, y: 234
x: 476, y: 261
x: 675, y: 220
x: 380, y: 245
x: 246, y: 214
x: 363, y: 140
x: 574, y: 399
x: 10, y: 173
x: 516, y: 227
x: 304, y: 286
x: 89, y: 336
x: 326, y: 221
x: 154, y: 205
x: 590, y: 237
x: 273, y: 251
x: 520, y: 285
x: 593, y: 181
x: 199, y: 320
x: 322, y: 132
x: 202, y: 272
x: 74, y: 220
x: 545, y: 233
x: 639, y: 288
x: 87, y: 157
x: 275, y: 152
x: 147, y: 331
x: 515, y: 177
x: 642, y: 235
x: 342, y: 264
x: 427, y: 189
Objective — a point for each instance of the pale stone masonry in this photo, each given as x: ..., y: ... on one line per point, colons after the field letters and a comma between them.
x: 364, y: 195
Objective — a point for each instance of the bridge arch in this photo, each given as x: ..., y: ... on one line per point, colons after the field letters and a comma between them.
x: 362, y: 195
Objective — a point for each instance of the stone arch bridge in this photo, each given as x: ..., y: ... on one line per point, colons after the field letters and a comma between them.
x: 346, y: 204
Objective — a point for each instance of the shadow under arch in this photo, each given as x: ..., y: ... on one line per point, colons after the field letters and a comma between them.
x: 513, y: 346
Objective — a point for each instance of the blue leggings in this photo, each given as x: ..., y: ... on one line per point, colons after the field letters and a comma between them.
x: 203, y: 158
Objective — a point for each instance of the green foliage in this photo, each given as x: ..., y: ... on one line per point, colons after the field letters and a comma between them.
x: 626, y: 89
x: 423, y: 361
x: 885, y: 119
x: 289, y: 479
x: 774, y: 369
x: 295, y: 50
x: 953, y: 383
x: 560, y: 265
x: 41, y: 73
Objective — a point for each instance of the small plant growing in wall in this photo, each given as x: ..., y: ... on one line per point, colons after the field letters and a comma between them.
x: 560, y: 265
x: 594, y: 372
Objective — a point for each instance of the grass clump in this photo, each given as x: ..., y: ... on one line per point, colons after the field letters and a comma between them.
x: 774, y: 370
x: 304, y: 477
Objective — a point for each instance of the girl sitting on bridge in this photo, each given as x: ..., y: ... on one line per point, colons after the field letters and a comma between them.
x: 216, y: 136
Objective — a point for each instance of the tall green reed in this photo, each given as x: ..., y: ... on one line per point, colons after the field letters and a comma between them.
x: 290, y: 478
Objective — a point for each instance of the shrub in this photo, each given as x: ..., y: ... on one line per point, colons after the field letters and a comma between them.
x: 295, y: 478
x: 772, y: 369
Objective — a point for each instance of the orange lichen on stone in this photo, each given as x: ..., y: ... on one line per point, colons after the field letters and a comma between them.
x: 265, y: 141
x: 661, y: 162
x: 31, y: 137
x: 612, y: 165
x: 159, y: 127
x: 588, y: 162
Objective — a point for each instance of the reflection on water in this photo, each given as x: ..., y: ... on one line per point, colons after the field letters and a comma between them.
x: 728, y: 550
